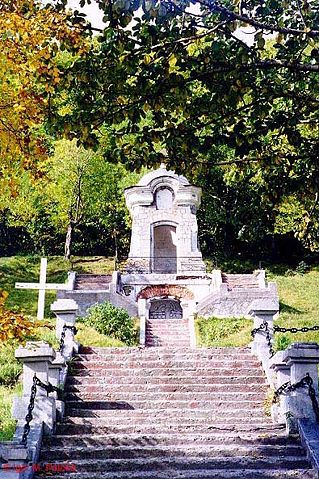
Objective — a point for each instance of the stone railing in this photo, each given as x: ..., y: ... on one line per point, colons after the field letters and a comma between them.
x: 41, y: 404
x: 293, y: 376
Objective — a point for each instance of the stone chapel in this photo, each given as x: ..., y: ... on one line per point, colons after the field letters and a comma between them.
x: 165, y: 276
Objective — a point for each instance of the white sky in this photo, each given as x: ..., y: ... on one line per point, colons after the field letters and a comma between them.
x: 92, y: 11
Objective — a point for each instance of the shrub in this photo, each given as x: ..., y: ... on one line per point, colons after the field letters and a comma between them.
x: 112, y: 321
x: 302, y: 267
x: 281, y: 342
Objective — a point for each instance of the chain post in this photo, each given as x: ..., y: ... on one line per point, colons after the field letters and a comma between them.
x: 306, y: 381
x: 49, y: 388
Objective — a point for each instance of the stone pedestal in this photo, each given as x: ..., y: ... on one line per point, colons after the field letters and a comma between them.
x: 57, y: 371
x: 303, y: 359
x: 36, y: 357
x: 282, y: 373
x: 65, y: 311
x: 17, y: 459
x: 263, y: 311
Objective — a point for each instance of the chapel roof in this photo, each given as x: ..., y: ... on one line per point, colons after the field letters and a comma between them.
x: 162, y: 171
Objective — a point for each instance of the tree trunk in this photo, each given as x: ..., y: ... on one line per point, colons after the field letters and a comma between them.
x: 68, y: 241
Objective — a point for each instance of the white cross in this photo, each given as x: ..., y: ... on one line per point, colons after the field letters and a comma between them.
x: 42, y: 286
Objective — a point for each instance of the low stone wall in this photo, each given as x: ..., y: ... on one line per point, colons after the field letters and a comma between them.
x: 235, y: 303
x: 85, y: 299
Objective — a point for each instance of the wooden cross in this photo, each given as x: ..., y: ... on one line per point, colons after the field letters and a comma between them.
x: 42, y: 286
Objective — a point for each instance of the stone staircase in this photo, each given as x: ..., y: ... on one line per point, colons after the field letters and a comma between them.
x: 92, y: 282
x: 167, y: 332
x: 240, y: 281
x: 170, y: 413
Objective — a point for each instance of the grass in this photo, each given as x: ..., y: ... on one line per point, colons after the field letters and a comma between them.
x: 7, y: 423
x: 217, y: 332
x: 299, y: 305
x: 26, y: 269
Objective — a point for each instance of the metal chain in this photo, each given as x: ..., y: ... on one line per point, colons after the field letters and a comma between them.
x: 304, y: 329
x: 265, y: 327
x: 307, y: 381
x: 313, y: 396
x: 49, y: 388
x: 65, y: 327
x: 29, y: 415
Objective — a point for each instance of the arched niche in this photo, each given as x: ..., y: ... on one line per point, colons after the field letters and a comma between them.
x: 164, y: 249
x: 164, y: 198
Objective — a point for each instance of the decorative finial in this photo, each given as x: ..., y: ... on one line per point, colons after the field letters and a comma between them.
x: 163, y: 166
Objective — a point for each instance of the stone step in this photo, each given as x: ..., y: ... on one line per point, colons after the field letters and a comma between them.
x: 111, y: 388
x: 219, y: 421
x: 153, y: 364
x: 277, y: 473
x: 167, y: 327
x: 276, y: 437
x: 160, y: 371
x: 100, y: 427
x: 155, y: 343
x: 107, y: 351
x: 163, y: 381
x: 177, y: 451
x: 175, y: 464
x: 167, y: 415
x: 144, y: 415
x: 217, y: 404
x: 218, y: 398
x: 146, y: 355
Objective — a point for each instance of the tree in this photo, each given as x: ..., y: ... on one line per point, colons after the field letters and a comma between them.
x: 78, y: 196
x: 32, y: 36
x: 186, y: 83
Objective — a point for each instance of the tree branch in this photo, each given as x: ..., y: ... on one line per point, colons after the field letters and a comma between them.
x: 257, y: 24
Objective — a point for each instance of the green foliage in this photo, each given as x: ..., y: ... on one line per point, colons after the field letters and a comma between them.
x: 7, y: 423
x: 77, y: 188
x: 112, y: 321
x: 10, y: 368
x: 302, y: 267
x: 89, y: 336
x: 217, y: 332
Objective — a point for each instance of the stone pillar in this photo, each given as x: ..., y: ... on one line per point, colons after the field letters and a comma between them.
x: 282, y: 375
x: 57, y: 373
x: 303, y: 359
x: 17, y: 463
x: 141, y: 304
x: 36, y: 357
x: 65, y: 311
x: 261, y: 276
x: 263, y: 310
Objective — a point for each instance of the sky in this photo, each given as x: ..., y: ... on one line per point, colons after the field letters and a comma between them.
x: 92, y: 11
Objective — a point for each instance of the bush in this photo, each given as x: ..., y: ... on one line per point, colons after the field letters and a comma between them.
x: 112, y: 321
